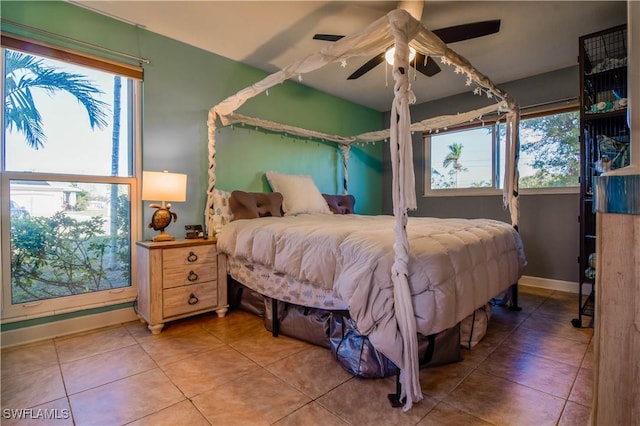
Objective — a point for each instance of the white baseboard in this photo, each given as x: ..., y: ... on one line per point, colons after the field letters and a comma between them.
x: 559, y: 285
x: 50, y: 330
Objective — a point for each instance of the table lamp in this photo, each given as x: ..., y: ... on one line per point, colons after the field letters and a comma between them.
x: 163, y: 186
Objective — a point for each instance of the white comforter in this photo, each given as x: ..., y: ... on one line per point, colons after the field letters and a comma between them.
x: 456, y: 265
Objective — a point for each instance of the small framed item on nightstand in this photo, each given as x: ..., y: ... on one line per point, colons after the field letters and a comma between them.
x: 193, y: 231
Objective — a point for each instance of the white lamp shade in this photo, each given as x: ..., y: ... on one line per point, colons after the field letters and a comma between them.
x: 164, y: 186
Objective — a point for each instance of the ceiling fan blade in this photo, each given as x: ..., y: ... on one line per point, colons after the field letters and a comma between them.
x: 327, y: 37
x: 428, y: 68
x: 371, y: 64
x: 468, y: 31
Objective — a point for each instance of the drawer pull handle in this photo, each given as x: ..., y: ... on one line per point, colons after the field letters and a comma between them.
x: 193, y: 299
x: 192, y: 257
x: 193, y: 276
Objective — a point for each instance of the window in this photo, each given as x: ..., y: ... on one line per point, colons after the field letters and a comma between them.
x: 550, y: 151
x: 69, y: 176
x: 470, y: 160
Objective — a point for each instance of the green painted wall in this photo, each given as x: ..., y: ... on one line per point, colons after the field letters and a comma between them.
x: 182, y: 83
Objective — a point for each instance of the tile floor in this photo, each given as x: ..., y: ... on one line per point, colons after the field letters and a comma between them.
x: 532, y: 368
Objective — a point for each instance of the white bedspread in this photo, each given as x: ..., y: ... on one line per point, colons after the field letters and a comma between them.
x: 456, y: 265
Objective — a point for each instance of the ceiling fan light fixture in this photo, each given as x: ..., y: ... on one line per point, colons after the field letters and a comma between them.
x: 388, y: 56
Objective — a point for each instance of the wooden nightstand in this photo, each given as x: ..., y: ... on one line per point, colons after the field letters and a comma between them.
x: 177, y: 279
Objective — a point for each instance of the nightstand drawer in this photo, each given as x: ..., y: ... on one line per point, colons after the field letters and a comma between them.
x: 197, y: 255
x: 188, y: 274
x: 190, y: 298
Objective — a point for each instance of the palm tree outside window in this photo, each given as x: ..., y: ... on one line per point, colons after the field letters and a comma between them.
x: 469, y: 160
x: 69, y: 163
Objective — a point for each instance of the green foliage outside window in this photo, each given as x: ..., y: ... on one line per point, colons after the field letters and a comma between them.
x: 61, y: 256
x: 552, y: 143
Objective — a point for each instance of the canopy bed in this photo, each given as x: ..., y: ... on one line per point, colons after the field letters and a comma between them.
x: 400, y: 28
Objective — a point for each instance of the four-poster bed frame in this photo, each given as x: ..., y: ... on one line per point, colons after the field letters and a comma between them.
x: 400, y: 28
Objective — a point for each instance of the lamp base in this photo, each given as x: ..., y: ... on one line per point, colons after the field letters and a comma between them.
x: 163, y: 236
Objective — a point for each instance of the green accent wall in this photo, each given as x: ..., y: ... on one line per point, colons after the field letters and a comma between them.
x: 181, y: 84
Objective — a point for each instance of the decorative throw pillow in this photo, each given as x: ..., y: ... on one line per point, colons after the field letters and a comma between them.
x: 222, y: 212
x: 299, y: 192
x: 340, y: 204
x: 252, y: 205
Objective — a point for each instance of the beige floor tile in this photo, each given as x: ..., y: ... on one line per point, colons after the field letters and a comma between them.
x: 237, y: 373
x: 256, y: 399
x: 86, y: 373
x: 483, y: 349
x: 365, y: 402
x: 125, y: 400
x: 575, y: 415
x: 182, y: 413
x: 32, y: 389
x: 587, y: 362
x: 560, y: 327
x: 234, y: 326
x: 174, y: 347
x: 71, y: 348
x: 437, y: 382
x: 548, y: 346
x: 553, y: 377
x: 314, y: 371
x: 444, y: 414
x: 311, y: 414
x: 138, y: 330
x: 201, y: 372
x: 53, y: 413
x: 265, y: 349
x: 503, y: 402
x: 27, y: 358
x: 582, y: 391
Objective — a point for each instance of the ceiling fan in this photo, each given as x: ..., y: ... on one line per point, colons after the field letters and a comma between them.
x: 427, y: 65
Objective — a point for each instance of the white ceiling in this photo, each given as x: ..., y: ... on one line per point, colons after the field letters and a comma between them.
x: 535, y: 36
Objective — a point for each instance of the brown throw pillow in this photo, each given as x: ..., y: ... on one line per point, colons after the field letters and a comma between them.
x: 340, y: 204
x: 252, y: 205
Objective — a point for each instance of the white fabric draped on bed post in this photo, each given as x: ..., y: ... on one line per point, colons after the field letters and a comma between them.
x: 510, y: 194
x: 400, y: 27
x: 404, y: 198
x: 210, y: 208
x: 345, y: 167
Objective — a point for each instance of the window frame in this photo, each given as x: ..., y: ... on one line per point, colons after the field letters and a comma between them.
x: 67, y: 304
x: 494, y: 190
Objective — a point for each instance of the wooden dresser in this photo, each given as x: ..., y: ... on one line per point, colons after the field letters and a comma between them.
x: 180, y: 278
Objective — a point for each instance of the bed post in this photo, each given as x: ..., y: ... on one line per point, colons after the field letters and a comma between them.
x: 514, y: 298
x: 275, y: 324
x: 513, y: 290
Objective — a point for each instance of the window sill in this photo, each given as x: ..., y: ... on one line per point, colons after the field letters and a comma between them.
x: 484, y: 192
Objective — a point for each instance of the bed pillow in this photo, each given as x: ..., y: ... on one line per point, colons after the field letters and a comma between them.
x: 222, y: 213
x: 300, y: 194
x: 252, y: 205
x: 340, y: 204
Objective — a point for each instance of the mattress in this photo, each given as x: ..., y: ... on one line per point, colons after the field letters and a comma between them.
x: 455, y: 266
